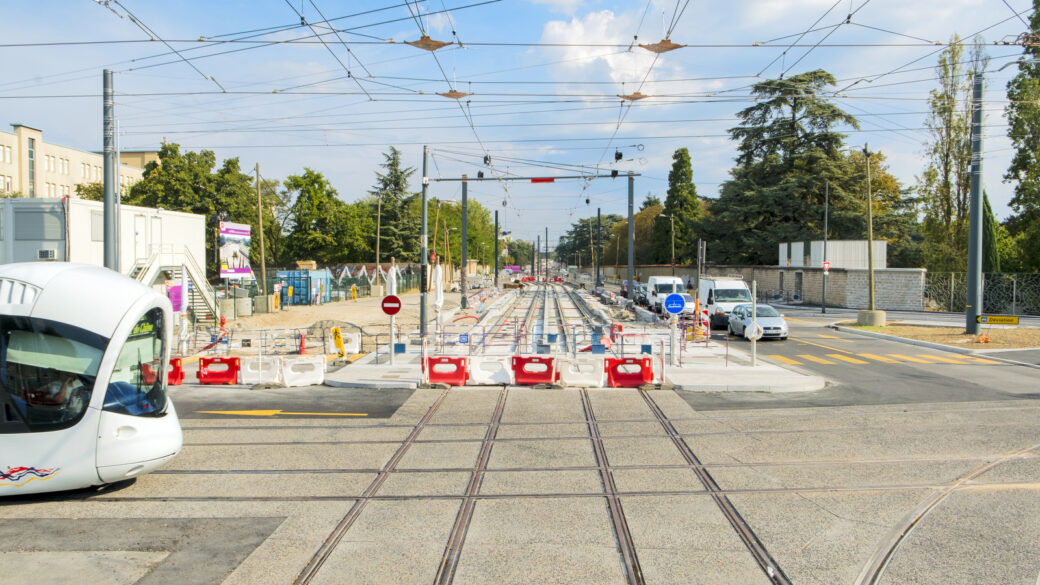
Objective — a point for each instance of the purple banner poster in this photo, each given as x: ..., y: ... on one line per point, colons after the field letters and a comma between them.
x: 176, y: 297
x: 235, y: 242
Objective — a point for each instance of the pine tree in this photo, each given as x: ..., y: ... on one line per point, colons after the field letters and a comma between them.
x: 683, y: 208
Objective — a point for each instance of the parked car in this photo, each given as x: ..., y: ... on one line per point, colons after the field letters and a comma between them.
x: 641, y: 295
x: 773, y: 324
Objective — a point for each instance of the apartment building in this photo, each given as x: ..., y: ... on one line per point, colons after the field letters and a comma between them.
x: 38, y: 169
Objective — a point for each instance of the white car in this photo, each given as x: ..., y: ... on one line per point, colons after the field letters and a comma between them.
x: 772, y: 322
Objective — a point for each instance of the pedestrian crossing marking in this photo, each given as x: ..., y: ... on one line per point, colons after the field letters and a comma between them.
x: 940, y: 358
x: 846, y: 358
x: 879, y: 358
x: 818, y: 360
x: 892, y: 358
x: 909, y: 359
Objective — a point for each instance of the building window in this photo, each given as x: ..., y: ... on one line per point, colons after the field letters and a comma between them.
x: 7, y: 154
x: 31, y: 151
x: 37, y: 225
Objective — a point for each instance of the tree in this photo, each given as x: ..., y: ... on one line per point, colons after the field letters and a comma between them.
x: 789, y: 157
x: 945, y: 184
x: 186, y: 182
x: 321, y: 226
x: 518, y: 253
x: 1023, y: 113
x: 617, y: 249
x: 396, y: 233
x: 650, y: 201
x: 582, y: 237
x: 91, y: 191
x: 683, y: 208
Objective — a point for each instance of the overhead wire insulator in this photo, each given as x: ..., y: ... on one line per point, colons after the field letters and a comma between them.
x: 617, y: 155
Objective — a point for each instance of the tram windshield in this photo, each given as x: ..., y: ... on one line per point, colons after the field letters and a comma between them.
x: 137, y: 386
x: 47, y: 373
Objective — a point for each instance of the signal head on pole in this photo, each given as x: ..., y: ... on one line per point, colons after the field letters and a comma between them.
x: 487, y: 159
x: 617, y: 155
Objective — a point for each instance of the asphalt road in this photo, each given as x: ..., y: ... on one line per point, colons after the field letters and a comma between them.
x: 864, y: 370
x: 194, y: 401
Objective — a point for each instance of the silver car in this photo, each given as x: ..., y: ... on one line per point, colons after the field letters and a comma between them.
x: 773, y: 324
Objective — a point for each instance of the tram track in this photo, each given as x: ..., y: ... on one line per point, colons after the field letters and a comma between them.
x: 334, y: 538
x: 457, y: 537
x: 619, y: 524
x: 747, y: 535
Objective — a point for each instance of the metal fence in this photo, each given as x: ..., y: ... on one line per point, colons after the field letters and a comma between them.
x: 1002, y: 292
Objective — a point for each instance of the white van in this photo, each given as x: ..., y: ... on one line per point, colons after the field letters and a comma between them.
x: 718, y: 296
x: 659, y: 287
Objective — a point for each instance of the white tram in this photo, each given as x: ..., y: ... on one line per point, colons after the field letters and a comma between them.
x: 84, y: 356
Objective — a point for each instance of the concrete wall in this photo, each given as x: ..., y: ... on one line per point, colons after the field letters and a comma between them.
x: 894, y: 288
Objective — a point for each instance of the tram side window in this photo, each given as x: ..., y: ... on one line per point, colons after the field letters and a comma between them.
x: 46, y: 374
x: 138, y: 383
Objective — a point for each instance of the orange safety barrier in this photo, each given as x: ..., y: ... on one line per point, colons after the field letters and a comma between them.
x: 175, y: 377
x: 453, y: 371
x: 615, y: 328
x: 629, y: 372
x: 147, y: 374
x: 528, y: 371
x: 226, y: 375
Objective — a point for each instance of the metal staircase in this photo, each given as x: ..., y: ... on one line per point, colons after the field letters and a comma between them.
x: 171, y: 265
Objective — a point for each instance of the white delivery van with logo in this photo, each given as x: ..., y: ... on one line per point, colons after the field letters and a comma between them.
x: 718, y: 296
x: 659, y: 287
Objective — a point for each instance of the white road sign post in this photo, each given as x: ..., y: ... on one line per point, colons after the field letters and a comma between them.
x: 391, y: 305
x: 674, y: 304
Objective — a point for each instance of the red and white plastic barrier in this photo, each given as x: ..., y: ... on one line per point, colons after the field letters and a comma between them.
x: 587, y: 373
x: 629, y: 372
x: 489, y: 371
x: 453, y: 371
x: 225, y: 372
x: 175, y: 377
x: 260, y: 370
x: 303, y: 370
x: 528, y: 371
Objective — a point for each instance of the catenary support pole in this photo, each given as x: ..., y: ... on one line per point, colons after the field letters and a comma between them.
x: 599, y: 247
x: 496, y: 248
x: 423, y: 259
x: 260, y: 221
x: 547, y: 255
x: 631, y: 237
x: 464, y: 263
x: 870, y: 233
x: 973, y: 303
x: 111, y: 248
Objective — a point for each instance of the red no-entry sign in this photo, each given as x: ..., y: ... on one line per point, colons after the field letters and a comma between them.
x: 391, y: 304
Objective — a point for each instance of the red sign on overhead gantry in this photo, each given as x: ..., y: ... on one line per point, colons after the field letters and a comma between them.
x: 391, y: 304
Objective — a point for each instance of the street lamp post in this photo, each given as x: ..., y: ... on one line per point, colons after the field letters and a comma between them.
x: 671, y: 221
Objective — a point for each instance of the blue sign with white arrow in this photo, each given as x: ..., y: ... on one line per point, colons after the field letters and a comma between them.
x: 674, y: 303
x: 463, y: 338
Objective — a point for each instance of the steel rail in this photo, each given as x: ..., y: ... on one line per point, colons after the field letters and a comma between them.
x: 334, y: 538
x: 457, y: 537
x: 619, y: 524
x: 758, y: 550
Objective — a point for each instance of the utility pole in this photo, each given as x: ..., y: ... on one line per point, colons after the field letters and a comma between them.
x: 973, y: 306
x: 536, y: 265
x: 826, y: 212
x: 260, y: 218
x: 671, y: 220
x: 465, y: 255
x: 546, y: 255
x: 111, y: 248
x: 423, y: 255
x: 871, y: 316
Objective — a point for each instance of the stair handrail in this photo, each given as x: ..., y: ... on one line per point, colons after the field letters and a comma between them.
x: 198, y: 276
x: 151, y: 268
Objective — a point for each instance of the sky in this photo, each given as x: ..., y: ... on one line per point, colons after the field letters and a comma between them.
x: 332, y: 86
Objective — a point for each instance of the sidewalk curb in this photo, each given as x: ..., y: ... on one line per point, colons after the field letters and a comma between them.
x: 930, y: 345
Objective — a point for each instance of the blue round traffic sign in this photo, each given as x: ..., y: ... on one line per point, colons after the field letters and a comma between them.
x: 674, y: 303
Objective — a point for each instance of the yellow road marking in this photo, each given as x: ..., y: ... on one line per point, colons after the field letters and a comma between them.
x: 275, y: 412
x: 818, y: 360
x: 879, y: 358
x: 356, y: 357
x: 786, y: 360
x: 828, y: 336
x: 846, y: 358
x: 979, y: 360
x: 909, y: 359
x: 820, y: 345
x: 940, y: 358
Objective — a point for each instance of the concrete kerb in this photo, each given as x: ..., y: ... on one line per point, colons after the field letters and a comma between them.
x: 930, y: 345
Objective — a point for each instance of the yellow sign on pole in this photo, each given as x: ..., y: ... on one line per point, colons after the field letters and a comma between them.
x: 337, y: 338
x: 997, y: 319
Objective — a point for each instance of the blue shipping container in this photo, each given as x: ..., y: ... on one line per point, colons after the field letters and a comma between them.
x: 306, y: 285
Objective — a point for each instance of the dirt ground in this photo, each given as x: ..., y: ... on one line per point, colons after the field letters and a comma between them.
x: 365, y: 313
x: 1000, y: 337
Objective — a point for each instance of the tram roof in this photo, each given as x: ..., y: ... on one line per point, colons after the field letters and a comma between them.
x: 86, y: 296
